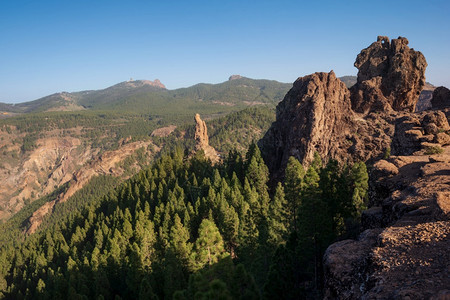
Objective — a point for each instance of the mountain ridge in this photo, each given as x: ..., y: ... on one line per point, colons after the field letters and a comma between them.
x: 122, y: 91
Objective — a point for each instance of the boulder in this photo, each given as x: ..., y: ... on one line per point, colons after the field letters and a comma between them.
x: 438, y: 118
x: 383, y: 168
x: 442, y: 138
x: 345, y: 263
x: 441, y: 98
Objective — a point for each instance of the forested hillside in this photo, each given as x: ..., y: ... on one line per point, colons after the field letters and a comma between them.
x: 183, y: 228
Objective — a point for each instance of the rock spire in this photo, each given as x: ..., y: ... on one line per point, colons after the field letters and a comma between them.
x: 391, y: 76
x: 202, y: 140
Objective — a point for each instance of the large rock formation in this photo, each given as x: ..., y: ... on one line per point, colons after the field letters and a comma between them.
x: 403, y: 252
x: 202, y: 140
x: 201, y: 133
x: 390, y: 76
x: 315, y: 115
x: 441, y: 98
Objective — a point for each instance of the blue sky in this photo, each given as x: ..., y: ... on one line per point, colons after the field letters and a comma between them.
x: 55, y: 46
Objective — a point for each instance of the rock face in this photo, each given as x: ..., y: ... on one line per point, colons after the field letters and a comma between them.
x: 202, y: 140
x: 390, y: 76
x: 157, y: 83
x: 315, y: 115
x: 441, y: 98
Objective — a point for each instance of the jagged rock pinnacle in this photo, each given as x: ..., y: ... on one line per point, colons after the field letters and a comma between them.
x: 201, y: 133
x: 391, y: 76
x: 202, y: 140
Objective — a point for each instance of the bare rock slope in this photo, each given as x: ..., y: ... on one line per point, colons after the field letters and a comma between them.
x: 403, y: 253
x: 105, y: 164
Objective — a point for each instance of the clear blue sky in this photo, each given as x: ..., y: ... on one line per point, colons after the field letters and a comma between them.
x: 54, y: 46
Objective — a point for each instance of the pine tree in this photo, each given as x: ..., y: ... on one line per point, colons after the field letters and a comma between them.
x: 333, y: 195
x: 360, y: 179
x: 278, y: 217
x: 179, y: 241
x: 229, y: 225
x: 209, y: 246
x: 293, y: 184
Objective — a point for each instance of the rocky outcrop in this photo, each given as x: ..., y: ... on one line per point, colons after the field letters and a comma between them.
x: 441, y: 98
x: 234, y: 77
x: 404, y: 252
x: 155, y: 83
x: 420, y: 133
x: 315, y: 115
x: 201, y: 133
x: 202, y: 140
x: 390, y: 76
x: 140, y: 83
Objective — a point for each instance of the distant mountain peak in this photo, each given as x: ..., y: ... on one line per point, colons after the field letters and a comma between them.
x: 234, y: 77
x: 139, y: 83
